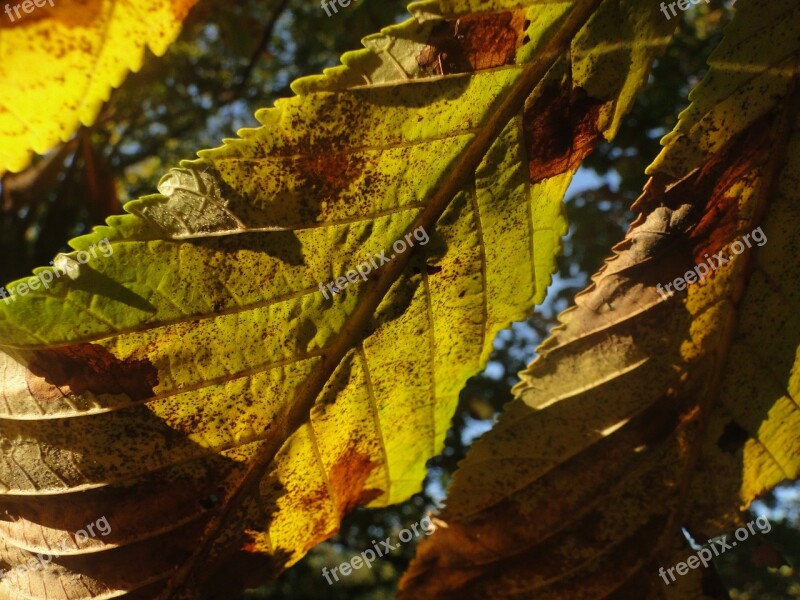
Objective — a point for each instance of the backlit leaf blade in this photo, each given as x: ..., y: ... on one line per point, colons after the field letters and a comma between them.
x: 61, y: 61
x: 642, y: 414
x: 200, y: 373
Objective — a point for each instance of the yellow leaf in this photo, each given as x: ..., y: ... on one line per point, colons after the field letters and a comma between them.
x: 60, y: 61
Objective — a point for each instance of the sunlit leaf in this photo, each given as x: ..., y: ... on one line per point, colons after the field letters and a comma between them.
x: 206, y: 390
x: 61, y: 60
x: 647, y: 413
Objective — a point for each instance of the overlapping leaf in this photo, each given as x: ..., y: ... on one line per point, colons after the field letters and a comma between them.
x: 645, y: 413
x: 199, y: 389
x: 61, y: 59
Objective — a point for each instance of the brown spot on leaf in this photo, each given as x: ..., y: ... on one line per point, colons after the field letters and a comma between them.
x: 348, y: 476
x: 473, y: 43
x: 560, y: 130
x: 322, y: 178
x: 712, y: 191
x: 716, y: 184
x: 329, y: 173
x: 90, y: 367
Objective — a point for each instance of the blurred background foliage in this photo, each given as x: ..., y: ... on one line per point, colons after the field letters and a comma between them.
x: 233, y: 58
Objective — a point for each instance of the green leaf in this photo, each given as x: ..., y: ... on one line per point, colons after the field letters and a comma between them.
x: 203, y: 390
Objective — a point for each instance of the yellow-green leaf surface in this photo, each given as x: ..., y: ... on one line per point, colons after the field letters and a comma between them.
x: 646, y: 413
x: 203, y: 389
x: 59, y: 62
